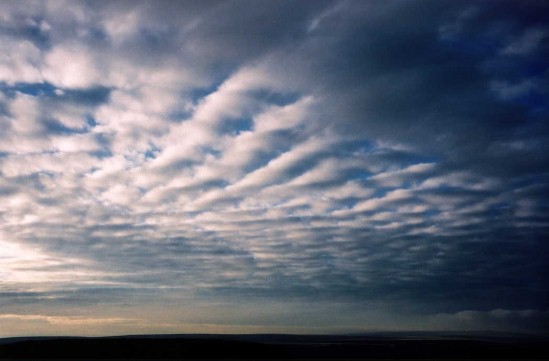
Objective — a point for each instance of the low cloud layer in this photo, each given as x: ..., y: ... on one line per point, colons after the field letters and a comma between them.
x: 381, y: 159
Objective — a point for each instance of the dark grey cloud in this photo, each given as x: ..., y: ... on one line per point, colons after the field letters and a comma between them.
x: 405, y: 81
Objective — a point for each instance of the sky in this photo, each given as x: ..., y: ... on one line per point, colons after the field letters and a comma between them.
x: 273, y: 166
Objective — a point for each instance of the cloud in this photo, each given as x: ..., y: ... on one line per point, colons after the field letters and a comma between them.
x: 19, y: 62
x: 61, y: 320
x: 497, y: 320
x: 526, y: 43
x: 71, y: 67
x: 175, y: 154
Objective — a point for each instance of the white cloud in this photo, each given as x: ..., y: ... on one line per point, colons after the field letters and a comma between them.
x: 13, y: 166
x: 20, y: 61
x: 120, y: 28
x: 26, y: 114
x: 396, y: 178
x: 34, y: 269
x: 284, y: 117
x: 378, y: 203
x: 76, y: 143
x: 327, y: 171
x: 317, y: 20
x: 72, y: 66
x: 276, y: 169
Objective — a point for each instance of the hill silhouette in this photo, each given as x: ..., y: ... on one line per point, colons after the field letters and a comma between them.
x: 378, y: 346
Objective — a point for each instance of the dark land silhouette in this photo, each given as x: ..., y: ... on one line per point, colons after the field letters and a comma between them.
x: 272, y: 347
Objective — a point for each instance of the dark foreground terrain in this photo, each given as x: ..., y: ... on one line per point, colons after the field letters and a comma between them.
x: 258, y: 347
